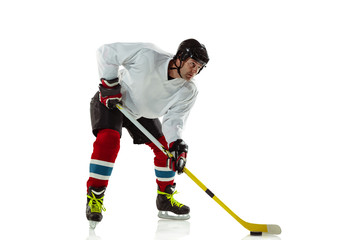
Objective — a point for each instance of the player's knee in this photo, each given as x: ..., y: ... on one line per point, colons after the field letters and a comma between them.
x: 160, y: 158
x: 108, y: 138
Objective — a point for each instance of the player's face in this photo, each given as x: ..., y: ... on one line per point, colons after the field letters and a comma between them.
x: 190, y: 68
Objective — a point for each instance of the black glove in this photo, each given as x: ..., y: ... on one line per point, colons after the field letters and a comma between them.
x: 179, y: 151
x: 110, y: 94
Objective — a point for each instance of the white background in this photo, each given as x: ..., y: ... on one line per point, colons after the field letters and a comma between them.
x: 274, y: 134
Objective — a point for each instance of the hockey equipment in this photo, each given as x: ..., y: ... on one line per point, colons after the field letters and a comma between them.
x: 168, y: 207
x: 191, y: 48
x: 256, y: 233
x: 144, y: 131
x: 252, y: 227
x: 106, y: 148
x: 164, y: 175
x: 110, y: 94
x: 179, y: 151
x: 94, y: 206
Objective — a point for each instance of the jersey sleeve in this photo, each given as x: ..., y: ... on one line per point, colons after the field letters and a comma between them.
x: 111, y: 56
x: 175, y: 118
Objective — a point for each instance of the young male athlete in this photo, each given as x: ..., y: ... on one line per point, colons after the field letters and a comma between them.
x: 149, y: 83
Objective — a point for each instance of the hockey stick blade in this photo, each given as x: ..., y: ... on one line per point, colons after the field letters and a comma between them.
x: 252, y: 227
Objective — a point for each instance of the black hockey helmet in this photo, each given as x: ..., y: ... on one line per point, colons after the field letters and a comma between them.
x: 193, y: 49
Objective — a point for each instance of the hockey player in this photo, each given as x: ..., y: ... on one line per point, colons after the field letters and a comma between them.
x: 150, y: 84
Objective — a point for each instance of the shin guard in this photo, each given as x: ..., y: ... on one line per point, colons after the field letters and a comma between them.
x: 164, y: 175
x: 106, y: 148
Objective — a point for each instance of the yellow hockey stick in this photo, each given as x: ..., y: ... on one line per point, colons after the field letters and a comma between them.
x: 252, y: 227
x: 255, y: 229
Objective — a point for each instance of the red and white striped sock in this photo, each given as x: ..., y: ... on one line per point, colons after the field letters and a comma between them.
x: 164, y: 175
x: 106, y: 148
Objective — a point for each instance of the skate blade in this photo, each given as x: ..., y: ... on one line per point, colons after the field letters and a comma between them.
x: 92, y: 224
x: 173, y: 216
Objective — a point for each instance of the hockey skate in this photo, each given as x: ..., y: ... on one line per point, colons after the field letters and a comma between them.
x: 94, y: 206
x: 168, y: 207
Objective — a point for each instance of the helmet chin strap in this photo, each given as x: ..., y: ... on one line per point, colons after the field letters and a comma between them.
x: 177, y: 68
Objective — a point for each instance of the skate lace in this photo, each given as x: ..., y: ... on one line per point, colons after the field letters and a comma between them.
x: 171, y: 198
x: 96, y: 204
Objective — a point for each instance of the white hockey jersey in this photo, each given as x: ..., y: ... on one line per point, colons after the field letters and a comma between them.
x: 145, y: 87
